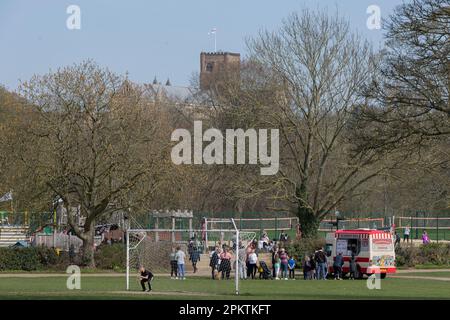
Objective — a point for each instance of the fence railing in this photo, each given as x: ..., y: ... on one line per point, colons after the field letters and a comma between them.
x: 437, y: 228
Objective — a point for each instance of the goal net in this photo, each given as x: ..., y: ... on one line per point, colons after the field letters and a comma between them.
x: 152, y: 248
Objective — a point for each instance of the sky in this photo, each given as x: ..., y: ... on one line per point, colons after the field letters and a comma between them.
x: 148, y: 38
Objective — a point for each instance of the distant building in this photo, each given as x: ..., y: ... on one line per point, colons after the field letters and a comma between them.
x: 215, y: 65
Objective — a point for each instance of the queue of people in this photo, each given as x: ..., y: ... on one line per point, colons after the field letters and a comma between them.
x: 221, y: 262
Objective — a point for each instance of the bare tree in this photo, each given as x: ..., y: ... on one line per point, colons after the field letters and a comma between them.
x: 318, y: 66
x: 97, y: 143
x: 409, y: 100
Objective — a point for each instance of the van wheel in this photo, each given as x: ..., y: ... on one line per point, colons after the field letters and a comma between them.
x: 382, y: 275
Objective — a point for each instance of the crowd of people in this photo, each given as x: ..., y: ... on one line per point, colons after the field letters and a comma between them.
x: 251, y: 266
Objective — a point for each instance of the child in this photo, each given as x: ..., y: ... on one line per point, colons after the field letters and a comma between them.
x: 425, y: 238
x: 277, y: 267
x: 291, y: 266
x: 261, y: 272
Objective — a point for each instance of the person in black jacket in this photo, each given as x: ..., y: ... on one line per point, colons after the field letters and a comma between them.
x: 307, y: 268
x: 213, y: 261
x: 145, y: 276
x: 352, y: 266
x: 195, y: 257
x: 313, y: 266
x: 274, y: 254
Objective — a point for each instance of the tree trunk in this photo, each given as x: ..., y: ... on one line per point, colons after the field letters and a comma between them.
x: 309, y: 222
x: 88, y: 248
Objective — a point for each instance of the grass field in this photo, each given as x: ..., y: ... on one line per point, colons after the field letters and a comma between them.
x: 112, y: 287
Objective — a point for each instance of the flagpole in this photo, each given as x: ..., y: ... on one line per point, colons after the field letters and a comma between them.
x: 214, y: 32
x: 12, y: 207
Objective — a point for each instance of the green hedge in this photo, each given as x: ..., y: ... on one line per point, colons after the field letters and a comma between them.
x: 429, y: 254
x: 30, y: 259
x: 41, y: 258
x: 111, y: 257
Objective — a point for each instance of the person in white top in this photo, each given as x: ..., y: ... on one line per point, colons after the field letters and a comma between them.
x: 406, y: 233
x: 180, y: 256
x: 252, y: 260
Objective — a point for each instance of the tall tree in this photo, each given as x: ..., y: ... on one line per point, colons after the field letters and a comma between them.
x: 318, y: 66
x: 97, y: 143
x: 409, y: 101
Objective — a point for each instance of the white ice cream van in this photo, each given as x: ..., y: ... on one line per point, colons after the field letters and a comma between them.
x: 373, y: 249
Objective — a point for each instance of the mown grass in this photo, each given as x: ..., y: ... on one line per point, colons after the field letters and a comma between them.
x: 202, y: 288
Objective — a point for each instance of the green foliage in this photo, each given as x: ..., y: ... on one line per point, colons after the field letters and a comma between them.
x: 110, y: 257
x: 306, y: 246
x: 429, y: 254
x: 42, y: 258
x: 30, y: 259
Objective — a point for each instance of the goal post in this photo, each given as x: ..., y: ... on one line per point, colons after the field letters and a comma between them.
x: 152, y: 248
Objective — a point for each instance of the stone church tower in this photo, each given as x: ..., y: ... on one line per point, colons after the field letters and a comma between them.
x: 213, y: 65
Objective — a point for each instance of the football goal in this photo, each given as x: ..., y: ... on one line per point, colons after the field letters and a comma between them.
x: 152, y: 248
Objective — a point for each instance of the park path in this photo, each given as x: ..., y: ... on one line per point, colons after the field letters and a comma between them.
x: 402, y: 273
x: 420, y: 277
x: 421, y: 270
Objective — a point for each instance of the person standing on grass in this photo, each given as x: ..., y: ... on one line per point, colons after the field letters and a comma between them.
x: 277, y: 266
x: 180, y: 256
x: 284, y: 258
x: 145, y: 276
x: 352, y: 266
x: 397, y: 239
x: 190, y: 248
x: 313, y: 265
x: 195, y: 257
x: 337, y: 266
x: 225, y: 263
x: 306, y: 268
x: 242, y: 256
x: 173, y: 264
x: 252, y: 261
x: 321, y: 260
x: 214, y: 261
x: 274, y: 255
x: 406, y: 233
x: 291, y: 266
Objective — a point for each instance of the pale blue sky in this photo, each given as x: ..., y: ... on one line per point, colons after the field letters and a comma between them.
x: 146, y: 38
